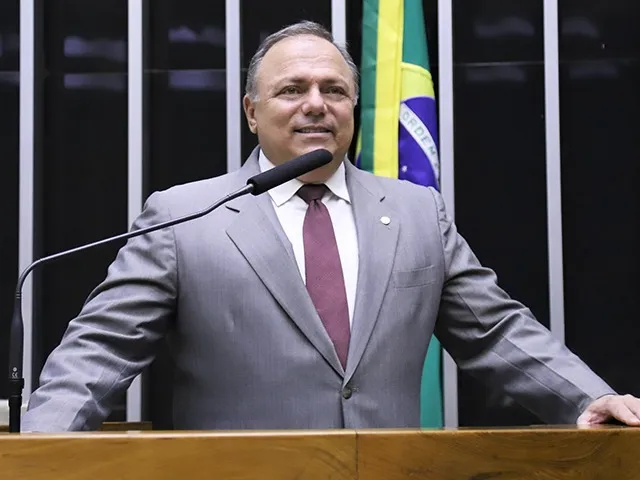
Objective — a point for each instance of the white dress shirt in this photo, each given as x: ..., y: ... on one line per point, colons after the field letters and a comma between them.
x: 291, y: 210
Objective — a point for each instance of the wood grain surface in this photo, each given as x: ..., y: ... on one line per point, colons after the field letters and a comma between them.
x: 178, y: 456
x: 527, y: 453
x: 109, y: 426
x: 536, y: 453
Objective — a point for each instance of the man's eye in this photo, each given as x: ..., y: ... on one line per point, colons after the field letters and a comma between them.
x: 336, y: 90
x: 290, y: 90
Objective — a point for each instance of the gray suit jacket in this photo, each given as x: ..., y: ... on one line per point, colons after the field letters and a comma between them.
x: 249, y: 348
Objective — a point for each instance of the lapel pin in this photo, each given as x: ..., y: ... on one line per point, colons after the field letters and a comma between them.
x: 385, y: 220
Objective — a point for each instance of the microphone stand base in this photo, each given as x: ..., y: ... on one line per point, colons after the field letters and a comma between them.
x: 15, y: 404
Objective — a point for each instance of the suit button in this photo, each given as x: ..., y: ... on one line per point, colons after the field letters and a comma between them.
x: 347, y: 392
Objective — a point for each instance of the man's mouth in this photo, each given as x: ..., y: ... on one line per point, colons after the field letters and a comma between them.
x: 312, y: 130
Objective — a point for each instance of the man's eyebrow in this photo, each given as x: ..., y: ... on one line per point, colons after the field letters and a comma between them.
x: 302, y: 80
x: 296, y: 80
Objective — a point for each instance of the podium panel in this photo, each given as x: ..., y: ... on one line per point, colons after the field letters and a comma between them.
x: 505, y: 454
x: 527, y: 453
x: 142, y: 456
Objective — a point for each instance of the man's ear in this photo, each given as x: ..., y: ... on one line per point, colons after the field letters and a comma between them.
x: 250, y: 113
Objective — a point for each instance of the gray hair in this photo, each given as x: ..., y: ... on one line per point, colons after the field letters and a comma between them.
x: 300, y: 28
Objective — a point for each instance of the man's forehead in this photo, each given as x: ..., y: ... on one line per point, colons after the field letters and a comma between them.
x: 302, y: 48
x: 302, y: 58
x: 302, y: 42
x: 301, y: 76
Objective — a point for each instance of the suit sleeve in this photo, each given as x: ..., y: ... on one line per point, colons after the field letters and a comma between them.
x: 497, y: 340
x: 114, y: 336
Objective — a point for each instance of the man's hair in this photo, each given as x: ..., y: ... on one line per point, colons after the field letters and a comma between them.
x: 297, y: 29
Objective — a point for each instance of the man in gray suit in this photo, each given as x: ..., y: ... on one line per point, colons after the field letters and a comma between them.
x: 305, y: 307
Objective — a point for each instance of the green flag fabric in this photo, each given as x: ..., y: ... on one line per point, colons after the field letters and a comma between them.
x: 398, y: 133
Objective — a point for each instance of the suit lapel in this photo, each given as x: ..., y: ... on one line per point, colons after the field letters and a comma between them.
x: 257, y: 233
x: 377, y: 246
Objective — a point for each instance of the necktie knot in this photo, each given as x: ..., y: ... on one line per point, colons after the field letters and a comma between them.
x: 311, y: 191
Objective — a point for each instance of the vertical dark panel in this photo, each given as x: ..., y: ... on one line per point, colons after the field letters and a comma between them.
x: 354, y: 31
x: 187, y: 126
x: 354, y: 44
x: 9, y: 37
x: 185, y: 115
x: 591, y: 30
x: 9, y: 153
x: 430, y: 10
x: 85, y: 36
x: 497, y: 31
x: 258, y: 20
x: 185, y: 92
x: 599, y: 105
x: 9, y: 138
x: 83, y: 168
x: 500, y: 166
x: 186, y: 35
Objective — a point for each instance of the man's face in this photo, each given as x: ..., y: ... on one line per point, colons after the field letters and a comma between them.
x: 305, y: 101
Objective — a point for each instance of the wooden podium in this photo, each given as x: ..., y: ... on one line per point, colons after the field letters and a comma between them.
x: 529, y: 453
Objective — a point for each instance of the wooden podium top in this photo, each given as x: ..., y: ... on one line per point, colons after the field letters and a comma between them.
x: 107, y: 427
x: 609, y: 452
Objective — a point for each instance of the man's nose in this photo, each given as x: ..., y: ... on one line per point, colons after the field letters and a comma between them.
x: 314, y: 102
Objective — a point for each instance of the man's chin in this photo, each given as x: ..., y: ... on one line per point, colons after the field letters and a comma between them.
x: 313, y: 147
x: 313, y: 142
x: 322, y: 174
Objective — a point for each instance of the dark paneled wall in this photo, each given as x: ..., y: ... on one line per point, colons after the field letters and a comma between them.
x: 500, y: 174
x: 184, y: 92
x: 9, y: 144
x: 600, y: 125
x: 500, y: 181
x: 499, y: 154
x: 82, y: 169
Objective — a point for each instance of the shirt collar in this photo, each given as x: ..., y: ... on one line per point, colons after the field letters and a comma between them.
x: 281, y: 194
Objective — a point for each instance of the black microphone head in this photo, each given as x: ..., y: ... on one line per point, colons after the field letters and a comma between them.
x: 289, y: 170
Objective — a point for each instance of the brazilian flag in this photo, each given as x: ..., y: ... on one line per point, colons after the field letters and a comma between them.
x: 398, y: 135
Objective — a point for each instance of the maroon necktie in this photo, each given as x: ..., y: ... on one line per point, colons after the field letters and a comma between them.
x: 323, y: 269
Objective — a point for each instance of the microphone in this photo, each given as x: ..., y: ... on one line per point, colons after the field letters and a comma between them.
x: 256, y: 185
x: 289, y: 170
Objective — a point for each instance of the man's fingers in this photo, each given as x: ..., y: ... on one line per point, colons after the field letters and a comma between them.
x: 625, y: 409
x: 622, y: 412
x: 633, y: 404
